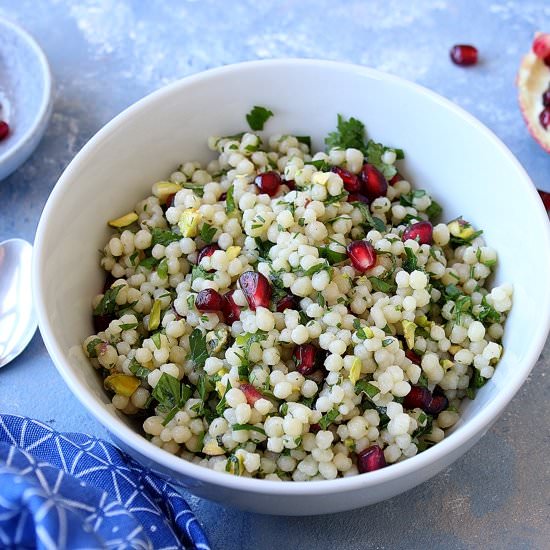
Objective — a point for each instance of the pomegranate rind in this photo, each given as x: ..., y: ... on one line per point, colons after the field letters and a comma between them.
x: 532, y: 81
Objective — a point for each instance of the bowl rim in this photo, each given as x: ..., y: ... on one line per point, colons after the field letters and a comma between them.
x: 131, y: 438
x: 45, y: 76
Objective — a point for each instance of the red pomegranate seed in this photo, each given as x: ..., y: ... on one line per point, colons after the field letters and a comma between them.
x: 420, y: 231
x: 370, y: 459
x: 545, y: 198
x: 101, y: 322
x: 256, y: 288
x: 362, y: 255
x: 268, y: 182
x: 352, y: 183
x: 437, y: 404
x: 396, y: 178
x: 287, y: 302
x: 4, y: 130
x: 464, y: 55
x: 170, y: 200
x: 305, y: 358
x: 541, y: 46
x: 374, y: 183
x: 291, y: 184
x: 230, y: 310
x: 314, y: 428
x: 209, y: 300
x: 411, y: 355
x: 358, y: 197
x: 223, y: 196
x: 251, y: 393
x: 544, y: 118
x: 417, y: 398
x: 546, y: 96
x: 546, y: 61
x: 206, y: 251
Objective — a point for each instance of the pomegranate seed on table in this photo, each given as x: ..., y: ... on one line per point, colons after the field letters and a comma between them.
x: 4, y: 130
x: 305, y: 358
x: 358, y: 197
x: 464, y: 55
x: 230, y: 310
x: 374, y: 183
x: 256, y: 288
x: 370, y: 459
x: 287, y: 302
x: 207, y: 251
x: 545, y: 197
x: 352, y: 184
x: 544, y: 118
x: 251, y: 393
x: 209, y: 300
x: 420, y: 231
x: 362, y: 255
x: 268, y: 182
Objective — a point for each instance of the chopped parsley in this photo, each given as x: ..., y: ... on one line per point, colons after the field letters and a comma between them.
x: 229, y: 200
x: 238, y: 427
x: 163, y: 236
x: 199, y: 272
x: 328, y: 418
x: 305, y: 139
x: 366, y: 387
x: 137, y: 369
x: 381, y: 285
x: 348, y: 134
x: 149, y: 263
x: 369, y: 219
x: 373, y: 155
x: 108, y: 304
x: 258, y: 117
x: 207, y: 232
x: 171, y: 396
x: 198, y: 350
x: 411, y: 262
x: 434, y: 210
x: 321, y: 165
x: 91, y: 347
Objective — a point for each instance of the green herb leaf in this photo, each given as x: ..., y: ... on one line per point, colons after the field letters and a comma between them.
x: 207, y: 232
x: 149, y: 263
x: 170, y: 393
x: 452, y: 292
x: 199, y: 273
x: 162, y: 269
x: 229, y: 200
x: 258, y: 117
x: 238, y: 427
x: 128, y: 326
x: 487, y: 312
x: 163, y: 237
x: 407, y: 198
x: 197, y: 346
x: 366, y: 387
x: 332, y: 256
x: 263, y: 247
x: 91, y: 347
x: 348, y: 134
x: 156, y: 339
x: 137, y: 369
x: 336, y: 198
x: 197, y: 189
x: 328, y: 418
x: 422, y: 381
x: 386, y: 342
x: 382, y: 286
x: 220, y: 407
x: 411, y: 262
x: 369, y: 219
x: 373, y: 154
x: 305, y: 139
x: 321, y: 165
x: 133, y: 258
x: 108, y: 304
x: 316, y: 268
x: 434, y: 210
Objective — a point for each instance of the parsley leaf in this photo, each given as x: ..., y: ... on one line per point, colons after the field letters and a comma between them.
x: 366, y: 387
x: 171, y: 395
x: 382, y: 286
x: 305, y: 139
x: 336, y: 198
x: 207, y: 232
x: 108, y: 304
x: 200, y: 273
x: 229, y: 200
x: 258, y: 117
x: 91, y: 348
x: 373, y: 156
x: 237, y: 427
x: 197, y: 189
x: 407, y: 198
x: 348, y: 134
x: 321, y: 165
x: 369, y: 219
x: 411, y: 262
x: 332, y: 256
x: 162, y: 269
x: 328, y: 418
x: 137, y: 369
x: 220, y: 407
x: 149, y: 263
x: 434, y: 210
x: 487, y: 312
x: 197, y: 345
x: 163, y: 237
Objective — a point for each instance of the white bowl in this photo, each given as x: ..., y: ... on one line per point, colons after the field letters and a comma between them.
x: 448, y: 152
x: 26, y: 95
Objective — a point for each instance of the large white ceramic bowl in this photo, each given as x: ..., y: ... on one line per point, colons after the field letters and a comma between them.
x: 448, y: 152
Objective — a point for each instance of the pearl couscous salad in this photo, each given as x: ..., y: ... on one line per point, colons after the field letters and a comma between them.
x: 291, y: 315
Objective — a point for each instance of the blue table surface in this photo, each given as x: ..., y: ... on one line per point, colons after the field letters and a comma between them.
x: 106, y: 54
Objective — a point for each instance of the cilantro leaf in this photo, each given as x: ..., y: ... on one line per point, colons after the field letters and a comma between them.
x: 207, y: 232
x: 229, y: 200
x: 108, y: 304
x: 163, y: 236
x: 197, y: 345
x: 348, y: 134
x: 258, y: 117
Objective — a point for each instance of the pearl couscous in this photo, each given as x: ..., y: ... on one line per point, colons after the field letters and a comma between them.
x: 294, y: 316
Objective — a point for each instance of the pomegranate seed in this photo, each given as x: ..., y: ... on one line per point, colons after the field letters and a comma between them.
x: 256, y: 288
x: 101, y: 322
x: 223, y: 196
x: 4, y: 130
x: 464, y: 55
x: 417, y: 398
x: 351, y: 181
x: 374, y: 183
x: 209, y: 300
x: 396, y: 178
x: 437, y: 404
x: 206, y: 251
x: 546, y: 61
x: 370, y: 459
x: 287, y: 302
x: 362, y: 255
x: 546, y: 97
x: 291, y: 184
x: 541, y: 46
x: 268, y: 182
x: 544, y: 118
x: 305, y: 358
x: 358, y: 197
x: 231, y: 311
x: 545, y: 199
x: 420, y: 231
x: 109, y: 280
x: 411, y: 355
x: 251, y: 393
x: 314, y: 428
x: 170, y: 200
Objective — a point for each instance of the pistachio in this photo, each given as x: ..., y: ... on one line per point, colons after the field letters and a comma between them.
x: 461, y: 228
x: 215, y: 340
x: 409, y: 329
x: 163, y: 189
x: 154, y: 316
x: 212, y: 448
x: 189, y: 222
x: 232, y: 252
x: 355, y: 370
x: 125, y: 220
x: 122, y: 384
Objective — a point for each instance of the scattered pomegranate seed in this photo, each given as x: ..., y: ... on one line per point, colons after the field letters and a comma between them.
x: 541, y: 45
x: 412, y: 356
x: 374, y: 182
x: 545, y: 198
x: 422, y: 398
x: 4, y: 130
x: 305, y: 358
x: 256, y: 288
x: 287, y: 302
x: 464, y: 55
x: 206, y: 251
x: 351, y: 181
x: 420, y: 231
x: 170, y: 200
x: 268, y: 182
x: 358, y: 197
x: 396, y: 178
x: 209, y: 300
x: 231, y: 311
x: 362, y: 255
x: 370, y: 459
x: 251, y: 393
x: 544, y: 118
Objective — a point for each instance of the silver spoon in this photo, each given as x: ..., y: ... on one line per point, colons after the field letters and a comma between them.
x: 17, y: 318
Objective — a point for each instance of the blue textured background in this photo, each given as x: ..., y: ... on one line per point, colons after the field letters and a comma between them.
x: 106, y: 54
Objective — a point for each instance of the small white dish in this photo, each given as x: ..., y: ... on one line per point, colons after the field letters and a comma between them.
x: 25, y: 95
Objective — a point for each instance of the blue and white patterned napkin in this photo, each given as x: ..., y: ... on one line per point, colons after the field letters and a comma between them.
x: 70, y: 490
